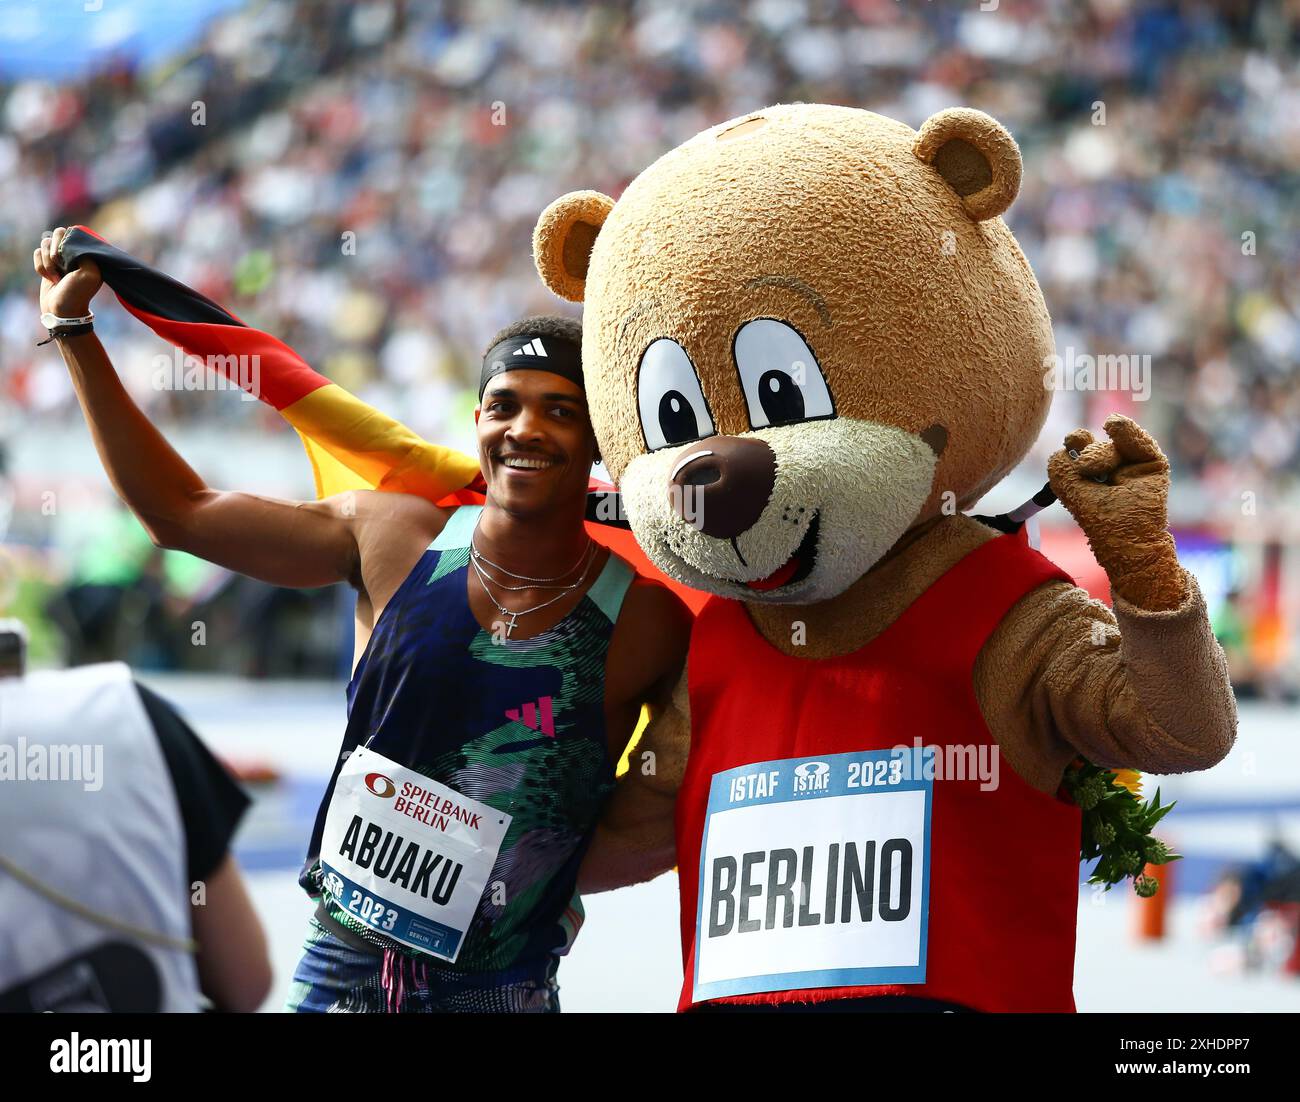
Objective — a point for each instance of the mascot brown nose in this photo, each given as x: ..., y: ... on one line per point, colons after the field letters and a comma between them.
x: 721, y: 484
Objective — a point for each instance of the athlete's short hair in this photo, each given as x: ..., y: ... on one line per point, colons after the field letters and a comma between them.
x: 543, y: 325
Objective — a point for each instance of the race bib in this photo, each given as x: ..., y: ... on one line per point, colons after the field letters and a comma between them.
x: 814, y: 872
x: 406, y: 855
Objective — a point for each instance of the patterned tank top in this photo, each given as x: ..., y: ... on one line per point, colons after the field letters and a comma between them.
x: 517, y: 724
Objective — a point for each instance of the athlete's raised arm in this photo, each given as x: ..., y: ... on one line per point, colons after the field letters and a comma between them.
x: 290, y: 543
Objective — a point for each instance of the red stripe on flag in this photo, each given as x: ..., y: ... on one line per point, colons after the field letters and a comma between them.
x: 271, y: 371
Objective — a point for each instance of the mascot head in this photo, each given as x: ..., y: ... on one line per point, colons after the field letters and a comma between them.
x: 806, y: 331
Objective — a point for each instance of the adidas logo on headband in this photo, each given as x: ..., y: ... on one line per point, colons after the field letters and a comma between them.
x: 522, y: 353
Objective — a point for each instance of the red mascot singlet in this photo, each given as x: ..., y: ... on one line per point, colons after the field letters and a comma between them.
x: 818, y: 861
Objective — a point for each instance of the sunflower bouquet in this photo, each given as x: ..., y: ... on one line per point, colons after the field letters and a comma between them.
x: 1117, y: 825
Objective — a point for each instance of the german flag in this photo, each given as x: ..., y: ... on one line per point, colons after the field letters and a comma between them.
x: 350, y: 445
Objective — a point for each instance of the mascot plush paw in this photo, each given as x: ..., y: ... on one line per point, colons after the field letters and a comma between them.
x: 810, y: 343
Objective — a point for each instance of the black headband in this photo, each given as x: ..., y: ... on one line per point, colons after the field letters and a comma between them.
x: 529, y: 353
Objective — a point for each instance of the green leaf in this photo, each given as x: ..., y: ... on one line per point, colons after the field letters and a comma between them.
x: 1156, y: 816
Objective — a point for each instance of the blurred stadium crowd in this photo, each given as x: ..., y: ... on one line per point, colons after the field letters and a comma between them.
x: 367, y: 173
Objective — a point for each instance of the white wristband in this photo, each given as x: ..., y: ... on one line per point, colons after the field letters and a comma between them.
x: 53, y: 321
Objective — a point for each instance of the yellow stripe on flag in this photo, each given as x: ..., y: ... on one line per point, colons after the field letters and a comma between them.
x: 352, y: 446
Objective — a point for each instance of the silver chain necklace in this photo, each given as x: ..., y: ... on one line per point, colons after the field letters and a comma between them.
x: 478, y: 555
x: 483, y: 578
x: 478, y: 560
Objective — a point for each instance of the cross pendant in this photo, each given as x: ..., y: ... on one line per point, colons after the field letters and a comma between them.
x: 511, y: 626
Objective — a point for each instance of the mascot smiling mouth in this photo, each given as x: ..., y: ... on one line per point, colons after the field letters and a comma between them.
x: 767, y: 531
x: 797, y: 567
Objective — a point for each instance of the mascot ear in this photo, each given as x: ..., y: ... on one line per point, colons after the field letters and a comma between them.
x: 563, y: 237
x: 975, y: 155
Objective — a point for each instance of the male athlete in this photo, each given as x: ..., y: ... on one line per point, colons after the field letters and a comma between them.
x: 506, y: 660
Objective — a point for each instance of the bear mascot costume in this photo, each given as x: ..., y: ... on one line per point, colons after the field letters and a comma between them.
x: 809, y: 343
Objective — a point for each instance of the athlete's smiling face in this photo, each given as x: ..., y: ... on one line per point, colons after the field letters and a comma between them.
x: 535, y: 442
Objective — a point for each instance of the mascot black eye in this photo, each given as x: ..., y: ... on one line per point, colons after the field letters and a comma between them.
x: 672, y: 405
x: 779, y: 375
